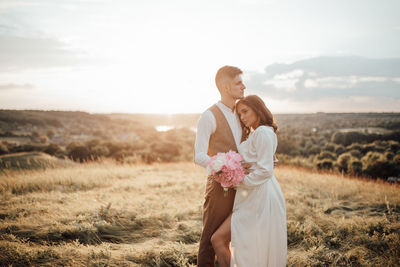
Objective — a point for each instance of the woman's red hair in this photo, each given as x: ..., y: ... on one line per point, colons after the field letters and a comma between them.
x: 258, y: 106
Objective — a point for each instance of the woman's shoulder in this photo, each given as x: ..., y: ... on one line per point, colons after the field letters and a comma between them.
x: 264, y: 129
x: 262, y: 132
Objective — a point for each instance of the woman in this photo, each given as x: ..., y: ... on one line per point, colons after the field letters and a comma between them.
x: 257, y: 225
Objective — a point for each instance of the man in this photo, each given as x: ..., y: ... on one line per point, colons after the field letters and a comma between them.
x: 218, y: 130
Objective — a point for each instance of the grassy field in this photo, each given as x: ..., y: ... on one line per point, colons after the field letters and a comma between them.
x: 104, y: 214
x: 31, y: 160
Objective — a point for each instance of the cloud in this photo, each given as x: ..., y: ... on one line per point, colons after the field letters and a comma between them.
x: 12, y: 86
x: 327, y: 77
x: 19, y: 53
x: 342, y: 104
x: 7, y: 4
x: 340, y: 66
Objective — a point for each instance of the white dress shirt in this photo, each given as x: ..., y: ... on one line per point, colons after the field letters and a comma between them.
x: 207, y: 125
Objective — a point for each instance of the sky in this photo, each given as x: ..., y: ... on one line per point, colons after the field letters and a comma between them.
x: 154, y: 56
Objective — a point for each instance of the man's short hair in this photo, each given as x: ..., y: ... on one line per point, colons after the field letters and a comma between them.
x: 225, y: 72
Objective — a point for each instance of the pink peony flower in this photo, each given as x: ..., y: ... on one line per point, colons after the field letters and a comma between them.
x: 226, y: 168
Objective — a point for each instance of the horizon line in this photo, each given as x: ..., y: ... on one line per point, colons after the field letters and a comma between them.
x: 196, y: 113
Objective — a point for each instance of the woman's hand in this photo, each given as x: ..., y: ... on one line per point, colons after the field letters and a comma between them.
x: 275, y: 160
x: 246, y: 167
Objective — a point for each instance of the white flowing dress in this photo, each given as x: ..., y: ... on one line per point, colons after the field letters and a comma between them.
x: 258, y: 225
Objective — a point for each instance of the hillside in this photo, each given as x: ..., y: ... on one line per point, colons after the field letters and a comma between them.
x: 359, y: 144
x: 31, y: 160
x: 106, y: 214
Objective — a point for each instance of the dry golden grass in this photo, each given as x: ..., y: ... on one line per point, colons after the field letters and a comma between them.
x: 104, y: 214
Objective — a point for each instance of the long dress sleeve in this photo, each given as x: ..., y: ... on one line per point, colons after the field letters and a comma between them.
x: 263, y: 144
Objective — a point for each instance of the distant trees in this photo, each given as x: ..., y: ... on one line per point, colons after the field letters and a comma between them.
x: 377, y: 159
x: 364, y: 144
x: 166, y: 147
x: 371, y: 152
x: 350, y: 137
x: 37, y: 118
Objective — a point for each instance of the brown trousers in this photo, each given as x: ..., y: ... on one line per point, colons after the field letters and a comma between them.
x: 216, y: 209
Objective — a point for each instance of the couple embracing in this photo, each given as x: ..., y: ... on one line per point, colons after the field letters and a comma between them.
x: 246, y: 226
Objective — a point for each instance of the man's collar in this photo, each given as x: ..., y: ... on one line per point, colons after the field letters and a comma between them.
x: 222, y: 105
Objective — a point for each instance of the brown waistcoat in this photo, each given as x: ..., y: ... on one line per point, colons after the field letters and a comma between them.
x: 217, y: 207
x: 222, y: 139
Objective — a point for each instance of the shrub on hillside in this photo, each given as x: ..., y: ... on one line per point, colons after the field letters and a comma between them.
x: 372, y: 147
x: 355, y: 153
x: 394, y: 146
x: 329, y: 147
x: 354, y: 146
x: 389, y: 155
x: 90, y: 150
x: 326, y: 155
x: 324, y: 164
x: 53, y: 149
x: 314, y: 149
x: 342, y: 162
x: 97, y: 149
x: 354, y: 166
x: 339, y: 149
x: 120, y: 155
x: 114, y: 148
x: 78, y: 152
x: 396, y: 160
x: 376, y: 165
x: 148, y: 157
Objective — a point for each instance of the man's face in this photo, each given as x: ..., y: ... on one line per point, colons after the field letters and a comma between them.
x: 236, y: 87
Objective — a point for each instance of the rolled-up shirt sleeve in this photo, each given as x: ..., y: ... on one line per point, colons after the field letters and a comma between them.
x: 206, y: 126
x: 263, y: 169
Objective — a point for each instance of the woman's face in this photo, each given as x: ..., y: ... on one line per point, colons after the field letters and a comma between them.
x: 247, y: 115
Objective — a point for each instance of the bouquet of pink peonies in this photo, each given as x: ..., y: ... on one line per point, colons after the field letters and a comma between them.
x: 227, y: 169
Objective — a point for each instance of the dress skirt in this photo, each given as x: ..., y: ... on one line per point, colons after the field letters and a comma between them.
x: 258, y: 226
